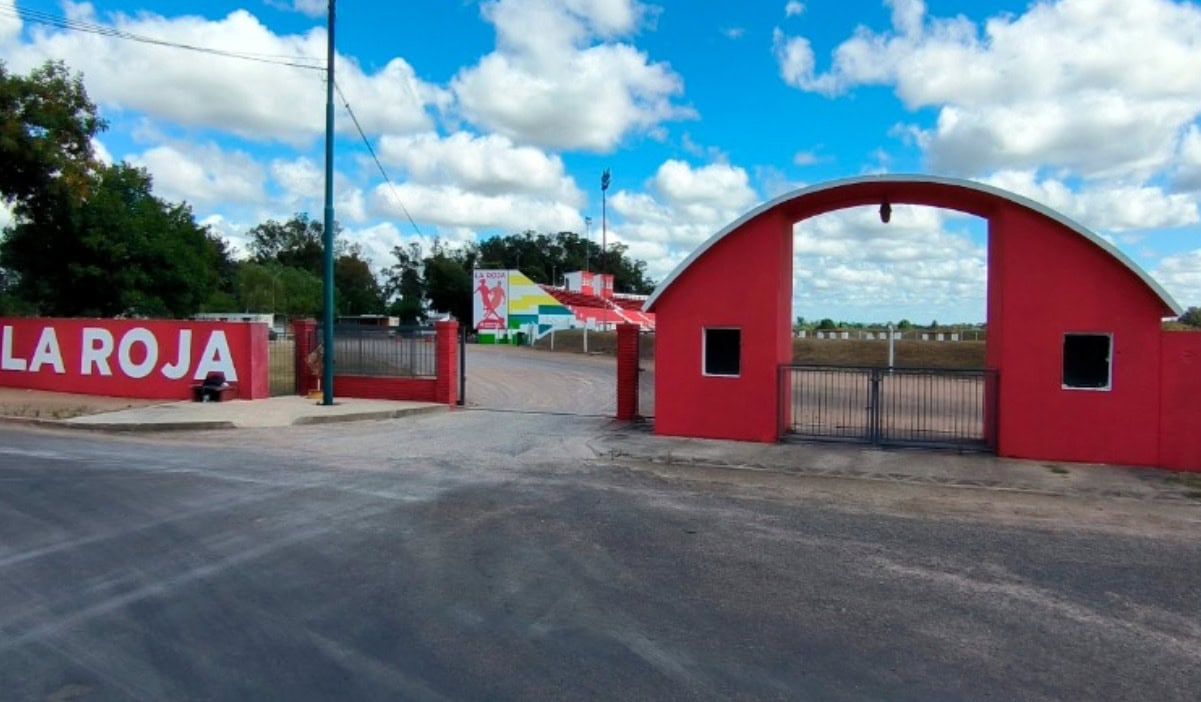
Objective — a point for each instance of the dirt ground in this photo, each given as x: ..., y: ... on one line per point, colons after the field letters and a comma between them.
x: 39, y: 404
x: 837, y: 352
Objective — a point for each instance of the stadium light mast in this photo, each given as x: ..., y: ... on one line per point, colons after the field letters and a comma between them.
x: 604, y: 220
x: 327, y: 328
x: 588, y: 240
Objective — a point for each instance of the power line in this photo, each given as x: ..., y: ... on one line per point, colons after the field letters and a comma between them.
x: 293, y: 61
x: 380, y: 166
x: 44, y: 18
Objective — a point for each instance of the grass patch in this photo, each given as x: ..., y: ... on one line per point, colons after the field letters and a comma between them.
x: 1058, y: 470
x: 1187, y: 480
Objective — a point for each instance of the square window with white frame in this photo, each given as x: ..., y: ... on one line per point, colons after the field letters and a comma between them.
x: 1087, y: 361
x: 721, y: 352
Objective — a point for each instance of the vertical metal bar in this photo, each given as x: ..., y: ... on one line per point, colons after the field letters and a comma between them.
x: 462, y: 366
x: 327, y: 370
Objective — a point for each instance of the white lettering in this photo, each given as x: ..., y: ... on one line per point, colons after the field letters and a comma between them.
x: 216, y: 357
x: 47, y: 353
x: 125, y: 353
x: 180, y: 368
x: 7, y: 362
x: 97, y: 347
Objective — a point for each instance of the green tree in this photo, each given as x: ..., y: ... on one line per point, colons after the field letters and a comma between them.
x: 297, y: 243
x: 404, y: 285
x: 1191, y: 317
x: 358, y: 290
x: 826, y: 324
x: 121, y: 251
x: 448, y: 285
x: 47, y: 123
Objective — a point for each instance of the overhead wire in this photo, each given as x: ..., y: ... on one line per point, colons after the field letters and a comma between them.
x: 289, y: 60
x: 66, y: 23
x: 374, y: 157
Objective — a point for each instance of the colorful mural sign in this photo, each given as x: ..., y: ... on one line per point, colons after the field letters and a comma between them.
x: 491, y: 299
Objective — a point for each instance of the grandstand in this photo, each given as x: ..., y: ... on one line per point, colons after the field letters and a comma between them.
x: 509, y: 307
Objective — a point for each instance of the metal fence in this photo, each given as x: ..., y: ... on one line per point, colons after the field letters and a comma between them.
x: 383, y: 351
x: 281, y: 364
x: 898, y: 406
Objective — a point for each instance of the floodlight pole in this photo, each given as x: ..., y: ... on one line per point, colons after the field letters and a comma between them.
x: 327, y: 327
x: 604, y: 220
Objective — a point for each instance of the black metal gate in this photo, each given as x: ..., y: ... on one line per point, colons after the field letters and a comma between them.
x: 935, y: 407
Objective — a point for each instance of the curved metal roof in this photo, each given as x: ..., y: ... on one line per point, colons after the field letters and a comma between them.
x: 912, y: 179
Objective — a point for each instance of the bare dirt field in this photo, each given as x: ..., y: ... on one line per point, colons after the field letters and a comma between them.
x: 39, y: 404
x: 834, y: 352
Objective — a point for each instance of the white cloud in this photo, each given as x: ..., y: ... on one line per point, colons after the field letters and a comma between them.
x: 234, y: 234
x: 684, y: 207
x: 848, y: 263
x: 6, y: 216
x: 797, y: 65
x: 794, y: 9
x: 453, y: 206
x: 10, y: 23
x: 312, y: 8
x: 103, y: 155
x: 1114, y: 207
x: 489, y: 165
x: 203, y: 174
x: 1094, y: 86
x: 1180, y: 275
x: 806, y: 158
x: 1188, y: 170
x: 556, y: 87
x: 300, y: 180
x: 251, y: 99
x: 734, y: 32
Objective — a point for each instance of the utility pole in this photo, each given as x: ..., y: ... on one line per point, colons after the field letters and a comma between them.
x: 327, y: 339
x: 604, y: 219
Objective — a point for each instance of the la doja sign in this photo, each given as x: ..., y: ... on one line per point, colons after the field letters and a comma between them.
x: 154, y: 359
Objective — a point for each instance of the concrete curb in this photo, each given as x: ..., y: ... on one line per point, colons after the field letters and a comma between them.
x: 212, y: 425
x: 367, y: 416
x: 118, y: 427
x: 1157, y: 489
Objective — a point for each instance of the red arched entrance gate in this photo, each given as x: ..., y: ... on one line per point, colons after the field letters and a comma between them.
x: 1054, y: 288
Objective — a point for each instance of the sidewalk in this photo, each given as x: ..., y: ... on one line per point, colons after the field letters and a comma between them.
x: 239, y: 414
x: 914, y: 466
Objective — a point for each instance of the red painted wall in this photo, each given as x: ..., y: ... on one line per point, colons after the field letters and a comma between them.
x: 1045, y: 280
x: 1180, y: 388
x: 376, y: 388
x: 131, y: 357
x: 745, y: 281
x: 1050, y: 281
x: 627, y: 372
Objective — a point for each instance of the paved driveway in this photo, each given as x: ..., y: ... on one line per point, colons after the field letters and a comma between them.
x: 483, y: 555
x: 505, y: 377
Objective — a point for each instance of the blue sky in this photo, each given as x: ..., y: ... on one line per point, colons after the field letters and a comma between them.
x: 499, y: 116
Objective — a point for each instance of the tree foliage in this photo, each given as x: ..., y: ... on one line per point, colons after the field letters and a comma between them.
x: 121, y: 251
x: 47, y: 123
x: 546, y: 257
x: 1191, y: 317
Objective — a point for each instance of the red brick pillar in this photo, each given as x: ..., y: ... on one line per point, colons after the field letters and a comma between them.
x: 446, y: 364
x: 627, y: 372
x: 303, y: 333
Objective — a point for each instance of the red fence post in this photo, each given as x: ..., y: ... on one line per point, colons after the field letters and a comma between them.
x: 303, y: 331
x: 627, y: 372
x: 446, y: 363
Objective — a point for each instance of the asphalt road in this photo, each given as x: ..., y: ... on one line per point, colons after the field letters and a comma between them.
x: 479, y: 555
